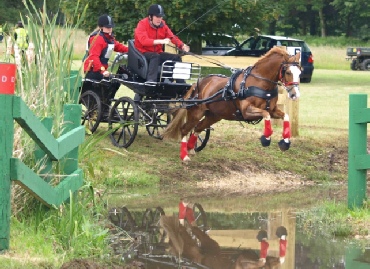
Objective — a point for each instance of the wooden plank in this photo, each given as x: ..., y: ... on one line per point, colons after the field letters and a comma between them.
x: 231, y: 61
x: 54, y: 148
x: 241, y: 238
x: 44, y: 192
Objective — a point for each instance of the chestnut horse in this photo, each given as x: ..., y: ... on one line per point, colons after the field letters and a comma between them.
x: 249, y: 95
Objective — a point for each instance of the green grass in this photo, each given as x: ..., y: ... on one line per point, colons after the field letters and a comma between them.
x: 44, y: 239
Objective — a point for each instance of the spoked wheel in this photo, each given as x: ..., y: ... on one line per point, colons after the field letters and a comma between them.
x: 200, y: 217
x: 160, y: 120
x: 115, y: 216
x: 91, y: 110
x: 147, y: 220
x: 151, y: 223
x: 127, y: 222
x: 123, y: 122
x: 203, y: 138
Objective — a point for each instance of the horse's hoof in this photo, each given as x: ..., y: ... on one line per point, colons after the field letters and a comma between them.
x: 262, y: 234
x: 280, y: 231
x: 284, y: 145
x: 191, y: 151
x: 265, y: 142
x: 186, y: 159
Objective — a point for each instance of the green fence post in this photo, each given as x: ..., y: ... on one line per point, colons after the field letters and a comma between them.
x: 6, y: 152
x: 72, y: 120
x: 357, y: 145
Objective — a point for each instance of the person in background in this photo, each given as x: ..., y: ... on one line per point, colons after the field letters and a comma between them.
x: 150, y: 35
x: 1, y: 33
x: 101, y: 44
x: 21, y: 37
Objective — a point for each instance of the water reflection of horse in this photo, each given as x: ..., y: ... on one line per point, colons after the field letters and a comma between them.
x: 248, y: 95
x: 207, y: 252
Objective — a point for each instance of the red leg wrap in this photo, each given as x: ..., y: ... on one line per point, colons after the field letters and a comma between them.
x: 183, y: 150
x: 264, y: 248
x: 268, y: 129
x: 282, y: 248
x: 286, y: 130
x: 192, y: 141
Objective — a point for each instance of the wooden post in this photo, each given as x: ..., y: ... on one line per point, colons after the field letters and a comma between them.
x: 293, y: 112
x: 72, y: 116
x: 7, y: 86
x: 6, y: 152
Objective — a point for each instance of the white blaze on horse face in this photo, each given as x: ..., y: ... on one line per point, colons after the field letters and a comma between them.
x: 296, y: 71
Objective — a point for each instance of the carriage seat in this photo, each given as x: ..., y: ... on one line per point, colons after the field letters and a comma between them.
x: 136, y: 61
x: 169, y: 71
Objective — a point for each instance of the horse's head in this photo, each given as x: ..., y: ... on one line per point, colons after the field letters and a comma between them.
x: 289, y: 76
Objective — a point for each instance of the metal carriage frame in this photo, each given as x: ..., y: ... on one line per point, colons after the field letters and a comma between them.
x: 152, y: 105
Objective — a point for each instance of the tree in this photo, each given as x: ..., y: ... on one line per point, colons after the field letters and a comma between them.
x: 188, y: 19
x: 355, y: 16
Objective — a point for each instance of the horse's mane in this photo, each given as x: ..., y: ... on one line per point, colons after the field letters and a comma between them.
x: 274, y: 50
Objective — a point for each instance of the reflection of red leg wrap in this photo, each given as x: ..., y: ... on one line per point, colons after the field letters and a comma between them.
x: 183, y: 150
x: 264, y: 248
x: 268, y: 129
x: 190, y: 215
x: 286, y: 130
x: 282, y: 247
x: 192, y: 141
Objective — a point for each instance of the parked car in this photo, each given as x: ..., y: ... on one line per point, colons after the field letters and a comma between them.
x: 218, y: 44
x: 258, y: 46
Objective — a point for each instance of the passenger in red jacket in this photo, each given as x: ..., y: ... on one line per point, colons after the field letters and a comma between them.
x: 151, y: 34
x: 101, y: 44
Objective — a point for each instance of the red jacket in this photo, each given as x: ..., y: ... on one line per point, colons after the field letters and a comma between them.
x: 145, y: 34
x: 99, y: 51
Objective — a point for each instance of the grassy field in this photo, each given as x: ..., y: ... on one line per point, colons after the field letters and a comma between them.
x: 318, y: 154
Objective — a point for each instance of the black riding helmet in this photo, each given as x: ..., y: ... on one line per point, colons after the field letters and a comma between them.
x: 105, y: 21
x: 156, y: 10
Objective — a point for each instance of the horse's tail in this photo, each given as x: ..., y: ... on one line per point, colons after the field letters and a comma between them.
x: 173, y: 129
x: 172, y: 227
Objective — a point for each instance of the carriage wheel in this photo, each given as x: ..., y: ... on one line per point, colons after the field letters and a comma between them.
x: 91, y: 110
x: 160, y: 121
x: 123, y: 122
x: 127, y: 222
x: 203, y: 138
x: 147, y: 220
x: 200, y: 217
x: 151, y: 224
x: 115, y: 216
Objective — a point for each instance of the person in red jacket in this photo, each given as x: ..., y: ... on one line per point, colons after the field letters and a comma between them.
x: 150, y: 35
x: 101, y: 44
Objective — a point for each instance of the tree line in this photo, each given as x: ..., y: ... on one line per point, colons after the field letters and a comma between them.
x: 189, y: 19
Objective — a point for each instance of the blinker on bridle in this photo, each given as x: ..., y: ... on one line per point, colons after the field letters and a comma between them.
x: 283, y: 67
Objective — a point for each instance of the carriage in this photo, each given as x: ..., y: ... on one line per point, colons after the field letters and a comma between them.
x: 174, y: 110
x: 151, y: 106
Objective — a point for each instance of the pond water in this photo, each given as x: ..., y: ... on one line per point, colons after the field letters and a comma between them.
x: 231, y: 232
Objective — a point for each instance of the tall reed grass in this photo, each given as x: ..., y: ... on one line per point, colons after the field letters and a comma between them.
x: 75, y: 229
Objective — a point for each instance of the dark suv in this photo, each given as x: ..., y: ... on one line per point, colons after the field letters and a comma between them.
x: 257, y: 46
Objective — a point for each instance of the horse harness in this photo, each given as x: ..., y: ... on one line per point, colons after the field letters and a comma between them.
x: 245, y: 92
x: 227, y: 92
